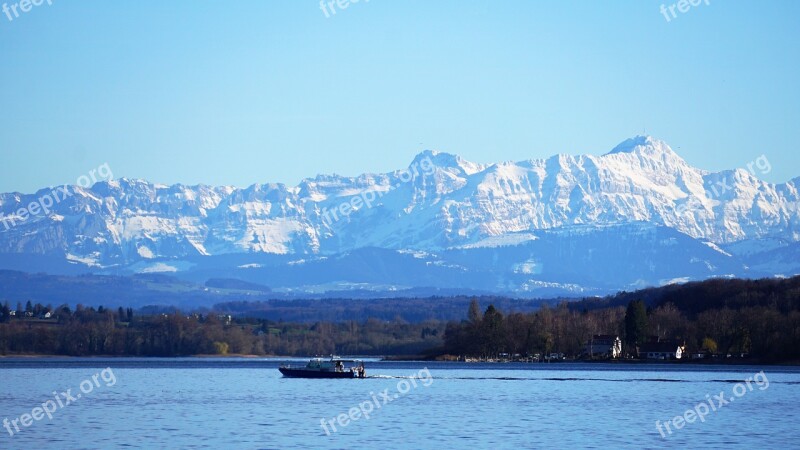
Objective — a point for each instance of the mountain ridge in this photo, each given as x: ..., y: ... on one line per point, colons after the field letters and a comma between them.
x: 439, y: 204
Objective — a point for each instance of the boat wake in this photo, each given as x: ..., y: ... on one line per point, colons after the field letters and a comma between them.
x: 393, y: 377
x: 617, y: 380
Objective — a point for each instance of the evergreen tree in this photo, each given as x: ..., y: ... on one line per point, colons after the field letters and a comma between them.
x: 635, y: 325
x: 492, y: 330
x: 474, y: 315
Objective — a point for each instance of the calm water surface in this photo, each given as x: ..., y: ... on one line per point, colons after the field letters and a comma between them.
x: 236, y: 403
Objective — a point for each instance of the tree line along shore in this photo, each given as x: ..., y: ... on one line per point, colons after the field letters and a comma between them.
x: 745, y: 320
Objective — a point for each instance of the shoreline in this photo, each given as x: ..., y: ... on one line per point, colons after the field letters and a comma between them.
x: 702, y: 362
x: 419, y: 359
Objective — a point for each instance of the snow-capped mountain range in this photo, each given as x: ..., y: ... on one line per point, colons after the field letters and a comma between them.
x: 638, y: 215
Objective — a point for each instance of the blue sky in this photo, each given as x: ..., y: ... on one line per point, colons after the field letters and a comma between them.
x: 241, y: 92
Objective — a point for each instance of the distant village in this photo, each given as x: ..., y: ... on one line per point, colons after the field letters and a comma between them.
x: 607, y: 347
x: 662, y: 333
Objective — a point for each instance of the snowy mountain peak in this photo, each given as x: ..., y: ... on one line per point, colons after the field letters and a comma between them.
x: 649, y: 155
x: 642, y: 144
x: 445, y: 161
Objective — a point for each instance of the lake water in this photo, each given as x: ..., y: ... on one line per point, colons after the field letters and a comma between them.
x: 245, y: 403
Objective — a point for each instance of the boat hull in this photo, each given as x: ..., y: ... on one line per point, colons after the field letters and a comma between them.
x: 305, y: 373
